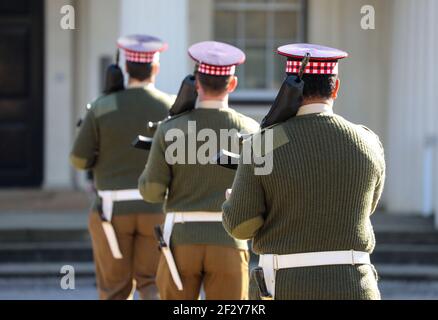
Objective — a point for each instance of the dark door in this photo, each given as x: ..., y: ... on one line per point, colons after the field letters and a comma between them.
x: 21, y: 93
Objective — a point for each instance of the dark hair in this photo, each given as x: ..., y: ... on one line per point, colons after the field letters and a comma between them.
x: 319, y: 85
x: 113, y: 79
x: 139, y: 71
x: 213, y: 84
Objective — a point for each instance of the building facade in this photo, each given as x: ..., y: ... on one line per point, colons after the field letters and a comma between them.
x: 387, y: 83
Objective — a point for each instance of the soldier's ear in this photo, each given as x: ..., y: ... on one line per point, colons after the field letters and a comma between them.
x: 155, y: 68
x: 337, y: 86
x: 197, y: 85
x: 233, y: 84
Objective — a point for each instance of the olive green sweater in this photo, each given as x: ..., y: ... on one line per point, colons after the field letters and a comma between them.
x: 103, y: 143
x: 193, y: 187
x: 327, y: 178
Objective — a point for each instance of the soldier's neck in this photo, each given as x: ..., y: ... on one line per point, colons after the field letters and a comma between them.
x: 209, y: 97
x: 310, y: 106
x: 328, y: 102
x: 212, y: 101
x: 134, y: 83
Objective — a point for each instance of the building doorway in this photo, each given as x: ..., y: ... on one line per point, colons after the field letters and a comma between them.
x: 21, y: 93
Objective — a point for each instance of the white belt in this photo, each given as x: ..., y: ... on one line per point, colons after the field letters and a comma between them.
x: 182, y: 217
x: 111, y: 196
x: 272, y: 262
x: 108, y: 199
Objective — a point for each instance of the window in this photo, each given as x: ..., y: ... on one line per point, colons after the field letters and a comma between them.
x: 258, y: 27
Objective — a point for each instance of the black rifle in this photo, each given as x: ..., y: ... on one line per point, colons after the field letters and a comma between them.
x: 285, y: 106
x: 159, y: 236
x: 289, y: 98
x: 114, y: 80
x: 89, y: 173
x: 186, y: 98
x: 185, y: 101
x: 259, y: 278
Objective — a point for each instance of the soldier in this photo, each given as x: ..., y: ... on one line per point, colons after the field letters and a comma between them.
x: 203, y: 252
x: 121, y: 223
x: 309, y: 219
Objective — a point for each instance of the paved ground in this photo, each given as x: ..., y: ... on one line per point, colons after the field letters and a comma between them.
x: 48, y: 289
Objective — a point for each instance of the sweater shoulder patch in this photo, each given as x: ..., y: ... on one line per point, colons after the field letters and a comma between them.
x: 105, y: 105
x: 168, y: 120
x: 268, y: 140
x: 371, y: 132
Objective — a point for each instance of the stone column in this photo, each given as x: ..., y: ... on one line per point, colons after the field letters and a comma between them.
x: 58, y: 98
x: 412, y: 174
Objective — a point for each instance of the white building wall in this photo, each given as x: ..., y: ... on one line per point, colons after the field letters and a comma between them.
x: 412, y: 187
x: 168, y: 20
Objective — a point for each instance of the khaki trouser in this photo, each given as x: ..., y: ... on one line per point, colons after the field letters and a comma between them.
x: 117, y: 278
x: 222, y: 270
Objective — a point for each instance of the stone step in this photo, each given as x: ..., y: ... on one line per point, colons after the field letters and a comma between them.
x: 50, y: 236
x: 384, y: 222
x: 86, y: 270
x: 79, y: 251
x: 411, y: 272
x: 46, y: 226
x: 45, y: 269
x: 37, y: 200
x: 66, y: 235
x: 404, y: 237
x: 406, y: 254
x: 61, y: 251
x: 43, y: 235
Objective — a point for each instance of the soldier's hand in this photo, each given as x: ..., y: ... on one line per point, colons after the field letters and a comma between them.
x: 227, y: 194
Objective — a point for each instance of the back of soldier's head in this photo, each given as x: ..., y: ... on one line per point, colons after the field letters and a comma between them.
x: 319, y: 86
x: 215, y: 66
x: 139, y: 71
x: 142, y: 53
x: 214, y: 85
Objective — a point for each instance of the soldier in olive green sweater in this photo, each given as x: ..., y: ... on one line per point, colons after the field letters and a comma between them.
x: 326, y: 181
x: 194, y: 191
x: 103, y: 145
